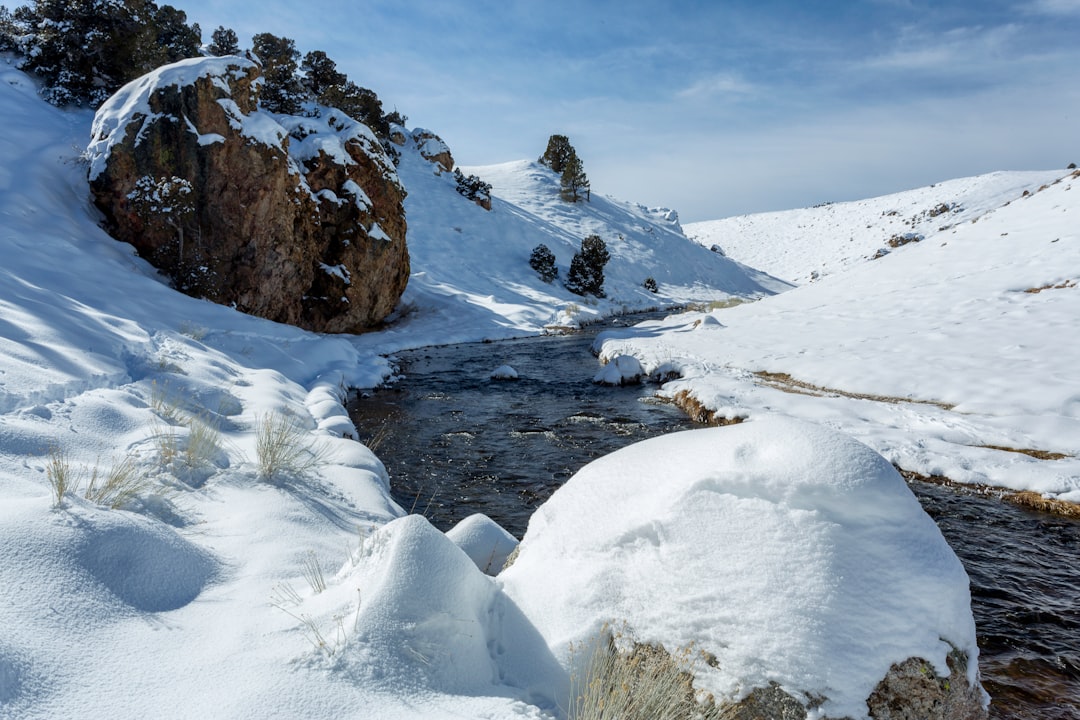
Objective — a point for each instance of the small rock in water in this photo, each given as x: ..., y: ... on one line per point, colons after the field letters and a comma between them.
x: 504, y: 372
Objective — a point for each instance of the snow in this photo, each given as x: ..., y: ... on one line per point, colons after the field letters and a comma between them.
x: 803, y: 245
x: 791, y: 553
x: 504, y: 372
x: 620, y: 370
x: 144, y: 610
x: 484, y: 541
x: 965, y: 339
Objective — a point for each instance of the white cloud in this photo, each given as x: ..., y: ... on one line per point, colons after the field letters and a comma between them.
x: 717, y: 85
x: 1053, y: 7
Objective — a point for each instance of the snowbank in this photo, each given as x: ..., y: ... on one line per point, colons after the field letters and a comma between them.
x: 791, y: 553
x: 954, y: 356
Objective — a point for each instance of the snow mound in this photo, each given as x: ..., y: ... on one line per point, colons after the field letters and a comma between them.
x: 483, y: 540
x: 791, y: 553
x: 433, y: 621
x: 621, y: 370
x: 144, y: 563
x: 504, y: 372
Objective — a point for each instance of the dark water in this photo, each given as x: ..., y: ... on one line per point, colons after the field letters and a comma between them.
x: 457, y: 442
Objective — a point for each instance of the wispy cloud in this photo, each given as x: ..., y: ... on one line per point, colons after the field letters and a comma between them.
x: 717, y: 85
x: 1053, y: 7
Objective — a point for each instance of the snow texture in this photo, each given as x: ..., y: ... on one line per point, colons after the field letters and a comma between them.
x: 791, y: 553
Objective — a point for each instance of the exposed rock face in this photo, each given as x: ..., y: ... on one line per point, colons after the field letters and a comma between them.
x: 296, y: 219
x: 433, y: 149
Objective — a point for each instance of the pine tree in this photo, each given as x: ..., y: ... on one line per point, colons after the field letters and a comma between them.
x: 85, y: 51
x: 573, y: 181
x: 320, y: 73
x: 542, y: 261
x: 281, y: 91
x: 587, y: 267
x: 557, y: 153
x: 224, y: 41
x: 358, y: 103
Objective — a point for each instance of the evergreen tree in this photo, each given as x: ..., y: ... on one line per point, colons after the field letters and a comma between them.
x: 542, y: 261
x: 557, y: 153
x: 573, y: 181
x: 176, y: 39
x: 358, y: 103
x: 9, y: 31
x: 281, y: 91
x: 224, y: 41
x: 587, y: 267
x: 85, y: 51
x: 320, y: 73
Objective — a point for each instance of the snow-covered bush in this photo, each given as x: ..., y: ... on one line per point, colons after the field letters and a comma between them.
x: 650, y: 284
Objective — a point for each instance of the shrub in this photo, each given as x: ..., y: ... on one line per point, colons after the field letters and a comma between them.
x: 542, y: 261
x: 223, y: 41
x: 119, y: 484
x: 650, y: 285
x: 587, y: 268
x: 474, y: 188
x: 62, y: 479
x: 284, y: 447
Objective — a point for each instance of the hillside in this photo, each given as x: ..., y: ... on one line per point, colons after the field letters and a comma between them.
x: 136, y: 599
x: 471, y: 276
x: 953, y: 357
x: 803, y: 245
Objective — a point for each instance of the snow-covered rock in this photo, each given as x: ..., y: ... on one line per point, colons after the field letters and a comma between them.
x: 620, y: 370
x: 295, y: 219
x: 484, y: 541
x: 783, y: 552
x: 504, y: 372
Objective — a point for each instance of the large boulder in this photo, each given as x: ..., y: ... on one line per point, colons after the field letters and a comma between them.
x: 295, y: 219
x: 774, y: 569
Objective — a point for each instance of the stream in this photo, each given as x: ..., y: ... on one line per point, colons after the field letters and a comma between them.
x: 457, y: 442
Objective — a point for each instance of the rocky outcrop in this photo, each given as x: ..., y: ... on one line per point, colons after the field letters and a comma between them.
x: 433, y: 149
x: 296, y: 219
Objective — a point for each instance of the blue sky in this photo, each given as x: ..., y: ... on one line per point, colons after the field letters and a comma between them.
x: 714, y: 108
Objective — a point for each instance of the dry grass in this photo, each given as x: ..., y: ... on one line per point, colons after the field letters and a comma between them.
x: 119, y: 484
x: 62, y: 478
x: 1023, y: 498
x: 1051, y: 286
x: 698, y: 412
x: 1037, y: 454
x: 284, y: 447
x: 786, y: 383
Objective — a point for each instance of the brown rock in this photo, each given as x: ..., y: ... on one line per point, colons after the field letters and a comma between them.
x: 298, y: 220
x: 433, y: 149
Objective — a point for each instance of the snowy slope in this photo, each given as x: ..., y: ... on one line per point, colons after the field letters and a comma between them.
x: 197, y: 598
x: 471, y: 277
x: 967, y: 339
x: 802, y: 245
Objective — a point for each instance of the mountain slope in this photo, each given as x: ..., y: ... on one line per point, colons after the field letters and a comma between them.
x: 471, y: 276
x: 956, y: 356
x: 803, y: 245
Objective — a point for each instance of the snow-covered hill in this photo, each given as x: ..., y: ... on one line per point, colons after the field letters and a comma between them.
x: 955, y: 356
x: 193, y: 597
x: 803, y: 245
x: 471, y: 276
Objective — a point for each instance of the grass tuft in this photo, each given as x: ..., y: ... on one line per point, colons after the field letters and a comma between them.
x: 121, y: 483
x: 642, y: 683
x: 284, y: 447
x: 62, y: 478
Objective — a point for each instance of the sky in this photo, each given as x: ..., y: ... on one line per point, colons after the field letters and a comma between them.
x: 713, y: 108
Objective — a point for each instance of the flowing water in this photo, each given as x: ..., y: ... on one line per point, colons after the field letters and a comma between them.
x: 456, y: 442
